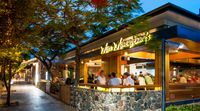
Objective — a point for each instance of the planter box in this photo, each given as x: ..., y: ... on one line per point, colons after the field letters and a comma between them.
x: 65, y: 94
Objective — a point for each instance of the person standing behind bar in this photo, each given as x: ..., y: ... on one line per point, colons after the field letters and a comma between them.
x: 114, y: 81
x: 128, y: 81
x: 182, y: 79
x: 101, y: 79
x: 148, y: 79
x: 141, y: 79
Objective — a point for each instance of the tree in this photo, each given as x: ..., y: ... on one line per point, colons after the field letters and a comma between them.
x: 47, y: 44
x: 82, y: 20
x: 15, y: 15
x: 141, y: 24
x: 41, y: 35
x: 10, y: 61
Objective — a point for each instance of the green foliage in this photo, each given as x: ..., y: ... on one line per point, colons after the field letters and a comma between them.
x: 139, y: 25
x: 172, y: 108
x: 42, y: 37
x: 15, y: 15
x: 154, y: 44
x: 44, y: 27
x: 80, y: 20
x: 13, y: 54
x: 191, y: 107
x: 21, y: 67
x: 46, y: 44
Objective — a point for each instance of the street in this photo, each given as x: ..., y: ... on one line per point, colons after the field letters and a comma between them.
x: 30, y: 98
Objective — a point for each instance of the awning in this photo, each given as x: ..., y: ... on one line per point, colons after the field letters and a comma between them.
x: 188, y: 36
x: 179, y: 31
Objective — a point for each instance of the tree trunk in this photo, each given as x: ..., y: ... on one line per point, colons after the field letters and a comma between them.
x: 50, y: 76
x: 78, y: 59
x: 8, y: 95
x: 48, y: 66
x: 8, y: 84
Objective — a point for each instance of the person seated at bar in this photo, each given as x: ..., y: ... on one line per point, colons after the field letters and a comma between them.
x: 135, y: 78
x: 148, y: 79
x: 122, y: 79
x: 198, y: 81
x: 108, y: 79
x: 194, y: 79
x: 141, y: 79
x: 182, y: 79
x: 128, y: 81
x: 101, y: 79
x: 91, y: 78
x: 189, y: 79
x: 68, y: 81
x: 174, y: 79
x: 114, y: 81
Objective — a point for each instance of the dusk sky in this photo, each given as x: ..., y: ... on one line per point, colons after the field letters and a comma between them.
x: 191, y: 5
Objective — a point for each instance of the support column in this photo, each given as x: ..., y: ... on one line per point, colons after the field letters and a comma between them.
x: 167, y: 73
x: 111, y: 64
x: 85, y: 73
x: 118, y: 66
x: 105, y: 65
x: 158, y: 68
x: 165, y: 65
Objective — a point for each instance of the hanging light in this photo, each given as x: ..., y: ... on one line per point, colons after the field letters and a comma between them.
x: 128, y: 58
x: 126, y: 53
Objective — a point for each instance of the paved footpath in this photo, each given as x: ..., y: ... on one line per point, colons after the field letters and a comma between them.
x: 31, y: 98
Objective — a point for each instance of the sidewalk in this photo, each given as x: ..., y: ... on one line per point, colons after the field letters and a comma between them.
x: 32, y: 99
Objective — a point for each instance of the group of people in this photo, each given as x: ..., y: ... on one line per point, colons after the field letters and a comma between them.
x: 126, y: 79
x: 182, y: 78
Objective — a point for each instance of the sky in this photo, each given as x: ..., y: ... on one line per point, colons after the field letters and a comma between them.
x: 191, y: 5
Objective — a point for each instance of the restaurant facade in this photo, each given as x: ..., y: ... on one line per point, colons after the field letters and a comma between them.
x: 121, y: 51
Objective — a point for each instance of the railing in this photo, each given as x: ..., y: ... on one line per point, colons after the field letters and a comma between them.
x: 119, y: 88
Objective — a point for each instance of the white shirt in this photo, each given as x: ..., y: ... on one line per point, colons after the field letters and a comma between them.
x: 141, y: 81
x: 128, y: 81
x: 115, y: 81
x: 183, y: 80
x: 102, y: 80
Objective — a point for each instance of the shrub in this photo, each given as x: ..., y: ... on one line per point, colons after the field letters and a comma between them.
x: 190, y: 107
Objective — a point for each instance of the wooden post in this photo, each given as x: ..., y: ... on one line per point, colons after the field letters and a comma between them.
x: 118, y: 66
x: 105, y: 65
x: 167, y: 73
x: 85, y: 73
x: 158, y: 68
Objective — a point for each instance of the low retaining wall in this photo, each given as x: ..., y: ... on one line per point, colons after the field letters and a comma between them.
x: 92, y: 100
x: 65, y: 94
x: 42, y: 86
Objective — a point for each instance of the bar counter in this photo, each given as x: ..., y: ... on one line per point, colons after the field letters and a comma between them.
x: 91, y: 97
x: 119, y: 88
x: 180, y: 91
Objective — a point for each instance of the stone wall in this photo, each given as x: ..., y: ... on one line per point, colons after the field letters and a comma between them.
x: 92, y: 100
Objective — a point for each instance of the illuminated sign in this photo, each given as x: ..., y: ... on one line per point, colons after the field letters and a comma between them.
x: 128, y: 42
